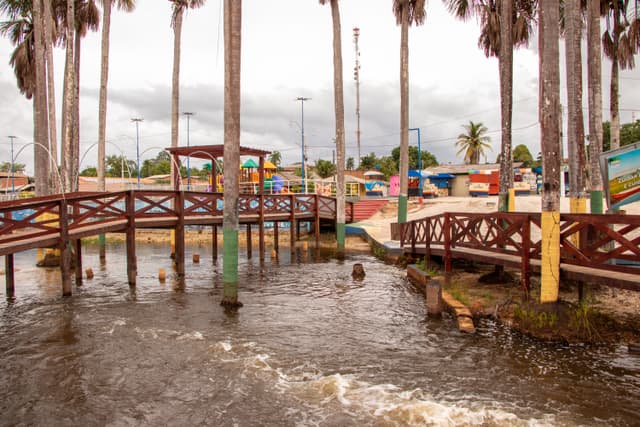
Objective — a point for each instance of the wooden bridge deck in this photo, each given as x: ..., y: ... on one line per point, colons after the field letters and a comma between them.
x: 56, y: 221
x: 595, y: 249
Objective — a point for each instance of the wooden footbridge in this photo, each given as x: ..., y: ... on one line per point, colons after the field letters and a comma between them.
x: 60, y: 221
x: 594, y: 249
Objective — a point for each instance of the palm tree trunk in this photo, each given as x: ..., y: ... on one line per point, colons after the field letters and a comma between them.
x: 40, y: 126
x: 549, y: 108
x: 51, y: 98
x: 595, y: 105
x: 505, y: 64
x: 615, y: 69
x: 338, y: 91
x: 613, y: 102
x: 232, y: 50
x: 67, y: 102
x: 175, y: 82
x: 404, y: 115
x: 75, y: 164
x: 575, y: 131
x: 102, y: 109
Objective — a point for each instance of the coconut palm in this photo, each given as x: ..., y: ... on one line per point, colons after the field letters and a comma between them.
x: 595, y: 104
x: 127, y: 6
x: 549, y: 114
x: 503, y: 25
x: 406, y: 12
x: 230, y: 223
x: 473, y: 143
x: 179, y: 6
x: 575, y: 120
x: 338, y: 94
x: 620, y: 42
x: 68, y: 97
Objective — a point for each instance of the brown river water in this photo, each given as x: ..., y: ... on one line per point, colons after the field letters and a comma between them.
x: 310, y: 347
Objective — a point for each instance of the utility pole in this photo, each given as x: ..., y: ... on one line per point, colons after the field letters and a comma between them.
x: 137, y: 121
x: 356, y: 76
x: 304, y: 152
x: 188, y: 114
x: 13, y: 184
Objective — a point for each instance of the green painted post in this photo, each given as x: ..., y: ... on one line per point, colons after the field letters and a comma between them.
x: 230, y: 263
x: 596, y: 202
x: 402, y: 208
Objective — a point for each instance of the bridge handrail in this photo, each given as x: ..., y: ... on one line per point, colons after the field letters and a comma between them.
x: 589, y: 240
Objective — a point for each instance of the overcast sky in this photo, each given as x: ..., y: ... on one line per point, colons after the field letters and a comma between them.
x: 287, y: 53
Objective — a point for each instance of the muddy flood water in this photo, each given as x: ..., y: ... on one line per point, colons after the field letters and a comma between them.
x: 310, y: 347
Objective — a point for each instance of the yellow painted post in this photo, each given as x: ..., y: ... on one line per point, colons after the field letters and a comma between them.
x: 512, y: 200
x: 577, y: 205
x: 550, y: 259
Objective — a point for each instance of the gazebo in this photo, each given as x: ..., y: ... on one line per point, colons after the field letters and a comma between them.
x: 211, y: 153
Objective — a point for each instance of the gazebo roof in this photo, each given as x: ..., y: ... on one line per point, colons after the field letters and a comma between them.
x: 208, y: 152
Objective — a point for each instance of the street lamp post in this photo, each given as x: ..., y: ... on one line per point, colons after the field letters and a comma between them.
x: 188, y: 114
x: 419, y: 163
x: 13, y: 184
x: 137, y: 121
x: 304, y: 175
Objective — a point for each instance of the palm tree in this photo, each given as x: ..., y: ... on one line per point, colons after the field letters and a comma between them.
x: 338, y: 94
x: 503, y: 25
x: 473, y: 142
x: 230, y: 223
x: 25, y: 30
x: 620, y: 42
x: 50, y: 35
x: 549, y: 114
x: 177, y: 16
x: 127, y: 6
x: 575, y: 122
x: 595, y: 104
x: 406, y: 12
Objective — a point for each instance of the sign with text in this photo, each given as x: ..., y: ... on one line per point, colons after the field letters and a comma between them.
x: 621, y: 174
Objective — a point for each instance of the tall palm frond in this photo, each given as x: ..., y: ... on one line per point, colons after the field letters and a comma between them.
x: 474, y: 142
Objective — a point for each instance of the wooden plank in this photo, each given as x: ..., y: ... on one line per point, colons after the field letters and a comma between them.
x: 131, y: 239
x: 9, y: 277
x: 63, y: 245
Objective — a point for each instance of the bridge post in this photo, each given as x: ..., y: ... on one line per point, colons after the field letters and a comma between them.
x: 63, y: 245
x: 413, y: 237
x: 447, y: 243
x: 214, y: 242
x: 275, y: 236
x: 292, y: 221
x: 78, y: 251
x: 131, y: 239
x: 8, y: 275
x: 317, y: 220
x: 427, y: 248
x: 179, y: 259
x: 78, y: 271
x: 525, y: 269
x: 249, y: 248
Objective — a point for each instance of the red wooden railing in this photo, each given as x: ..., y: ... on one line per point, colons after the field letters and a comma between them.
x: 603, y: 242
x: 44, y: 221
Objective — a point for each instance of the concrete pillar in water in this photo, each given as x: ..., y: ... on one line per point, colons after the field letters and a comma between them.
x: 433, y: 294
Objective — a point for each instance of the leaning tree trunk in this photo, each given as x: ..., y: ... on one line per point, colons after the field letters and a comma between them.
x: 505, y: 64
x: 339, y: 112
x: 40, y: 125
x: 595, y: 105
x: 102, y: 108
x: 549, y: 111
x: 51, y: 98
x: 575, y: 123
x: 404, y: 115
x: 232, y: 50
